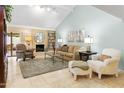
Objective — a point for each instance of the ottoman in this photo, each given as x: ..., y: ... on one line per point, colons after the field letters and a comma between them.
x: 79, y: 68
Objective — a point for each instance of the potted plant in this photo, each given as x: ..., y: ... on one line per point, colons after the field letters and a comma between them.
x: 8, y: 12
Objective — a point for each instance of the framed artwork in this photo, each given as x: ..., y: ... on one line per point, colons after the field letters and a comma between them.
x: 39, y: 37
x: 76, y: 36
x: 71, y: 37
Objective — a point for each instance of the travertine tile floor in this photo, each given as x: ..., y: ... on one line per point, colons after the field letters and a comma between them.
x: 58, y: 79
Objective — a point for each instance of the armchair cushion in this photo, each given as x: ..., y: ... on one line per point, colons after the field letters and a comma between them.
x: 28, y: 53
x: 20, y: 51
x: 30, y: 50
x: 110, y: 60
x: 103, y: 57
x: 69, y: 54
x: 61, y: 53
x: 96, y: 65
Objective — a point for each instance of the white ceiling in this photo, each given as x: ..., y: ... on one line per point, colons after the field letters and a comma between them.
x: 33, y: 16
x: 115, y: 10
x: 25, y: 15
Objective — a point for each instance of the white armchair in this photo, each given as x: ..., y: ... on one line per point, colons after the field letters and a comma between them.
x: 108, y: 66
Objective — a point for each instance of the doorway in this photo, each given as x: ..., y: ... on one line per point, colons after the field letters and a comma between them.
x: 12, y: 40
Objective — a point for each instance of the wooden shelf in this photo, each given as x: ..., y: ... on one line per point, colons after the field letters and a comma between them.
x: 51, y: 39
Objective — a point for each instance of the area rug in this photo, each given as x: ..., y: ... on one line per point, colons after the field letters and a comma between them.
x: 38, y: 66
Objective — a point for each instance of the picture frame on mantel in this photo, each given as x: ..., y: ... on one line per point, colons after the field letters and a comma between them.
x: 76, y: 36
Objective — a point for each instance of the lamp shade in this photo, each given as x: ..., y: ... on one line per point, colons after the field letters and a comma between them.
x: 88, y: 40
x: 60, y: 40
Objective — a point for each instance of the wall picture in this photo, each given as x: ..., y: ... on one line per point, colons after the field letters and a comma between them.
x: 76, y: 36
x: 39, y: 37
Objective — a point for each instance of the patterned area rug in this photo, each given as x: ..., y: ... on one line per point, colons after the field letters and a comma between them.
x: 37, y: 66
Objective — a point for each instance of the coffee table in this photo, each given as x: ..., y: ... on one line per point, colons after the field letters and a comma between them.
x: 53, y: 56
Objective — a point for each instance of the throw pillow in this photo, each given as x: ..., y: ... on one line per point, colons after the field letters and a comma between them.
x: 70, y: 49
x: 103, y: 57
x: 64, y: 48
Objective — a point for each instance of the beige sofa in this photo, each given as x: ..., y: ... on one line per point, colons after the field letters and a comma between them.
x: 69, y: 52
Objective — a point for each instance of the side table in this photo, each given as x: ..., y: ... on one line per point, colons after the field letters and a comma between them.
x: 84, y: 55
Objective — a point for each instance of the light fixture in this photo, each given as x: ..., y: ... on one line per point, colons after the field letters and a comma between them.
x: 45, y: 8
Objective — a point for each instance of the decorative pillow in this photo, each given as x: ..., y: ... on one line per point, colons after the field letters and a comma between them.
x: 70, y: 49
x: 103, y: 57
x: 64, y: 48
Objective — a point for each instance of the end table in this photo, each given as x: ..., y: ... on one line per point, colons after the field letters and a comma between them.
x: 84, y: 55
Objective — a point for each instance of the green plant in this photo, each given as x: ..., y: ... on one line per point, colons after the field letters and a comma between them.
x: 8, y: 12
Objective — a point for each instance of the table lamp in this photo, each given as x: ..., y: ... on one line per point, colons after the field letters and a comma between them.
x: 60, y: 41
x: 88, y: 40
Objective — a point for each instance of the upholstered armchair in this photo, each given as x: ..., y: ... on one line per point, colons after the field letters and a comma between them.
x: 108, y: 66
x: 23, y: 52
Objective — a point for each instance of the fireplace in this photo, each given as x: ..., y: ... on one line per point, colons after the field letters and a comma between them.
x: 39, y: 47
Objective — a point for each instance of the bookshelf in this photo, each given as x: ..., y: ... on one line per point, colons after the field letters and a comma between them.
x: 51, y: 39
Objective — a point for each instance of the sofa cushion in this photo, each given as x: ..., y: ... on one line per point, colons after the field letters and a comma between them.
x: 103, y: 57
x: 58, y: 49
x: 76, y: 48
x: 71, y: 49
x: 61, y: 52
x: 64, y: 48
x: 69, y: 55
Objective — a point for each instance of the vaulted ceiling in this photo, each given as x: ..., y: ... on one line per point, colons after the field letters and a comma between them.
x: 33, y: 15
x: 115, y: 10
